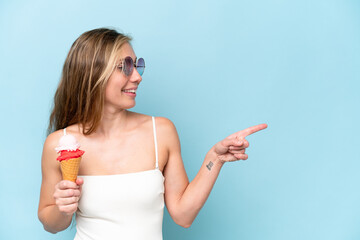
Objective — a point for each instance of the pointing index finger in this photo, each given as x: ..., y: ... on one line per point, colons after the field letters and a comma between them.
x: 253, y: 129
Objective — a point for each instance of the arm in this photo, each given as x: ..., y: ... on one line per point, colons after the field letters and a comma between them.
x: 184, y: 200
x: 198, y: 191
x: 56, y: 196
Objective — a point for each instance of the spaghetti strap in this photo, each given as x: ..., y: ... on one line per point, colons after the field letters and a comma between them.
x: 156, y: 152
x: 64, y: 131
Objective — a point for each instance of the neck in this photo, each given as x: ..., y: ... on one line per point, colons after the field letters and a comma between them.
x: 113, y: 123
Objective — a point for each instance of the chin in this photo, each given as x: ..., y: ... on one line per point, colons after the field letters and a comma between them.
x: 119, y: 106
x: 129, y: 106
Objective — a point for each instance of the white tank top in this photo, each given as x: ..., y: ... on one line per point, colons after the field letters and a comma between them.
x: 126, y: 206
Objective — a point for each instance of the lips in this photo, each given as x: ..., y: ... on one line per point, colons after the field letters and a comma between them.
x: 134, y: 88
x: 129, y: 91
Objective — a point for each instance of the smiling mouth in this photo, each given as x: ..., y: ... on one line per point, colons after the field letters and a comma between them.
x: 129, y: 91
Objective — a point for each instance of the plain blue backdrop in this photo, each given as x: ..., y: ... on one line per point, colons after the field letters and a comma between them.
x: 213, y: 68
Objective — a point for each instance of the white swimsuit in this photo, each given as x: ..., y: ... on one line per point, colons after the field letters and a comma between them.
x: 126, y: 206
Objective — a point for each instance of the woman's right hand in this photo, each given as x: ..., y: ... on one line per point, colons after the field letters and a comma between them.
x: 67, y: 195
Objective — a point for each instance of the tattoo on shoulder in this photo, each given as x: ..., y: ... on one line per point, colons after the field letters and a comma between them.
x: 209, y: 165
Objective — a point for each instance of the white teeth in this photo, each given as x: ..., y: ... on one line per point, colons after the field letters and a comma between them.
x: 132, y: 90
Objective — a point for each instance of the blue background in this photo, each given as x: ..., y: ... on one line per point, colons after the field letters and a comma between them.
x: 213, y: 68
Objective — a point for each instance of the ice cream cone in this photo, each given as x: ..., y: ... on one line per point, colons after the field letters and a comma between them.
x: 70, y: 168
x: 70, y: 156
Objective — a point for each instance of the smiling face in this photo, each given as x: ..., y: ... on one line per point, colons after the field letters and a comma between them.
x: 115, y: 96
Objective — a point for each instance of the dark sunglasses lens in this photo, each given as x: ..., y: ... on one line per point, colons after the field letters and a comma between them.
x: 140, y: 67
x: 128, y: 65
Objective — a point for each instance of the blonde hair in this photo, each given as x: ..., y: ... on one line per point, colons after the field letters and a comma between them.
x: 79, y: 98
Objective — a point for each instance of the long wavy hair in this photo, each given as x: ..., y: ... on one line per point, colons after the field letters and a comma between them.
x: 79, y: 98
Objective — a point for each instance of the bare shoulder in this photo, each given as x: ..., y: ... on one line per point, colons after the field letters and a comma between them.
x: 167, y: 131
x: 165, y: 123
x: 53, y: 138
x: 166, y: 128
x: 51, y: 142
x: 49, y: 154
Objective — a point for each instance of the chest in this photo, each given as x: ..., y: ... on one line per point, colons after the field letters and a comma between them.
x: 129, y: 153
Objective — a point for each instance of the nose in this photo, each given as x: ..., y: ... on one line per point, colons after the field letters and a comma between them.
x: 135, y: 76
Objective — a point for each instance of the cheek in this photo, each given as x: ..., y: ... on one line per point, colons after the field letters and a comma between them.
x: 109, y: 90
x: 114, y: 85
x: 113, y: 90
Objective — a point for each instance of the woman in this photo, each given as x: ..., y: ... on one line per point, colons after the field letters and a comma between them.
x: 132, y: 163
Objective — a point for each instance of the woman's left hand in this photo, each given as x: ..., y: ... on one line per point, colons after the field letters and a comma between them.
x: 233, y: 147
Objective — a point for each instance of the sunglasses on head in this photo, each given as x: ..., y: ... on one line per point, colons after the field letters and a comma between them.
x: 127, y: 66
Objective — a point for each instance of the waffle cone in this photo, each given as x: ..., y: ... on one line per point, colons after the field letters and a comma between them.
x: 70, y: 168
